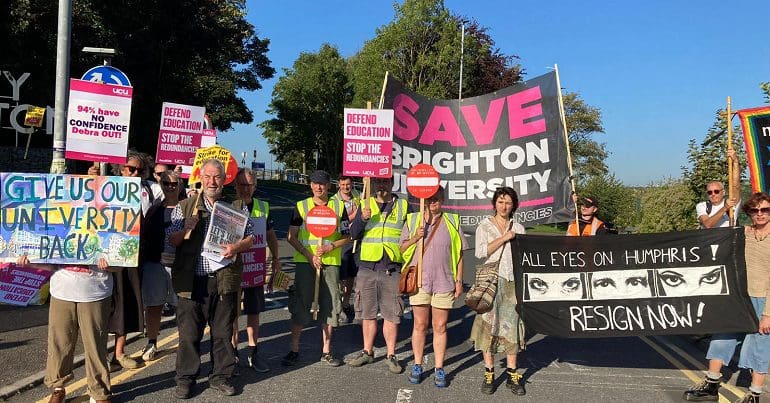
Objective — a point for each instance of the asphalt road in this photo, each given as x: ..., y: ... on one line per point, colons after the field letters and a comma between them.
x: 652, y: 369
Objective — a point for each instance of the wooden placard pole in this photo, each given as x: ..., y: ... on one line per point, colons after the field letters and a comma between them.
x: 314, y: 308
x: 197, y: 213
x: 566, y: 142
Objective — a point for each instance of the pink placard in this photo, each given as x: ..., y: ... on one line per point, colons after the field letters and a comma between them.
x: 370, y: 158
x: 181, y: 128
x: 253, y: 267
x: 20, y: 285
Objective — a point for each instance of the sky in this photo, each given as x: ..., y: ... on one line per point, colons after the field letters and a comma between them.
x: 658, y: 70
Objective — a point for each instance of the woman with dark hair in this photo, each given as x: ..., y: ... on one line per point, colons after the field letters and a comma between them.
x: 500, y: 330
x: 755, y: 351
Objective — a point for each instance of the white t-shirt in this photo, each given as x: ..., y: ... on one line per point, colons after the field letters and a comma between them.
x: 724, y: 222
x: 157, y: 193
x: 81, y: 284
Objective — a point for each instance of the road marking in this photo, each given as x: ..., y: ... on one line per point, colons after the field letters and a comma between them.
x: 126, y: 374
x: 404, y: 396
x: 692, y: 360
x: 688, y: 373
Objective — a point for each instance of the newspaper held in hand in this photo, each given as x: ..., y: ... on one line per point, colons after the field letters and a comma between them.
x: 226, y: 226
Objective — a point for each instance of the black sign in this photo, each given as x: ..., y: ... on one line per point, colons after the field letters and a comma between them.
x: 512, y: 137
x: 690, y: 282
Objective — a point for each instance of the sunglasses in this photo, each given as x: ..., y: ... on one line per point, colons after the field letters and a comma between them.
x: 131, y: 168
x: 170, y: 184
x: 755, y: 211
x: 714, y: 192
x: 159, y: 173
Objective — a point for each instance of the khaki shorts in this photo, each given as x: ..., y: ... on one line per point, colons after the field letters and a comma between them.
x: 329, y: 297
x: 442, y: 300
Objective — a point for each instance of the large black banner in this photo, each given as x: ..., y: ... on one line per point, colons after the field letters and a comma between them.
x: 511, y: 137
x: 691, y: 282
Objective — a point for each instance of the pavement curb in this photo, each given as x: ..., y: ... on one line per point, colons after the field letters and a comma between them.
x: 36, y: 379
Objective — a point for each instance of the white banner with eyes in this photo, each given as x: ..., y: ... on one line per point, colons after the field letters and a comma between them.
x: 672, y: 283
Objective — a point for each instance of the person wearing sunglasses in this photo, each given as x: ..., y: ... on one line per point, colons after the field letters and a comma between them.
x: 713, y: 213
x: 157, y: 259
x: 755, y: 349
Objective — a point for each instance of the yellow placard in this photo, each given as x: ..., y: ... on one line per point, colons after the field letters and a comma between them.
x: 34, y: 116
x: 207, y: 153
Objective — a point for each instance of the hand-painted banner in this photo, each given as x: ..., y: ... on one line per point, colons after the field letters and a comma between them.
x: 181, y: 128
x: 512, y: 137
x: 19, y: 285
x: 368, y: 139
x: 756, y: 134
x: 70, y: 219
x: 98, y: 119
x: 690, y: 282
x: 254, y: 258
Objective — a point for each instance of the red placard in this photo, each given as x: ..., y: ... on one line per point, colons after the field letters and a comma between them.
x: 321, y: 221
x: 422, y: 181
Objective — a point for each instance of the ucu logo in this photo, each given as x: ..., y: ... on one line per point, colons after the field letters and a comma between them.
x: 120, y: 91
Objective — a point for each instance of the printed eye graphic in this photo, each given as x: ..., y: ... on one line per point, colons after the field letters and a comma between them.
x: 571, y: 285
x: 636, y: 282
x: 604, y: 282
x: 538, y: 285
x: 671, y: 278
x: 711, y: 277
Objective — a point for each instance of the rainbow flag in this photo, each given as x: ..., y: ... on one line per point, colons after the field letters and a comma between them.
x: 756, y: 134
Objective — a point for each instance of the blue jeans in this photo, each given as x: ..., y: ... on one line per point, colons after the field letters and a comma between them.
x: 755, y: 351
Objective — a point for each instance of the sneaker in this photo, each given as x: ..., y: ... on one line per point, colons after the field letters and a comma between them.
x: 128, y: 362
x: 290, y: 359
x: 183, y: 391
x: 330, y: 359
x: 58, y: 395
x: 439, y: 378
x: 225, y: 387
x: 708, y: 390
x: 257, y: 363
x: 488, y: 386
x: 393, y: 365
x: 415, y: 376
x: 363, y: 359
x: 150, y: 352
x: 750, y: 397
x: 514, y: 383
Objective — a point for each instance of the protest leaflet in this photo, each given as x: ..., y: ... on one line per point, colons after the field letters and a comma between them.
x: 226, y: 226
x: 254, y: 258
x: 512, y: 137
x: 691, y: 282
x: 70, y: 219
x: 367, y: 143
x: 98, y: 120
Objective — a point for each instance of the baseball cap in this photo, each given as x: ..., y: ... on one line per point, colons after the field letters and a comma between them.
x: 589, y: 201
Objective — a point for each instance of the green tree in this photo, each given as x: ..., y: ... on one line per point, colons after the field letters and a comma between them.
x: 708, y: 160
x: 185, y: 51
x: 765, y: 87
x: 667, y: 206
x: 584, y: 121
x: 617, y: 203
x: 421, y: 47
x: 307, y: 105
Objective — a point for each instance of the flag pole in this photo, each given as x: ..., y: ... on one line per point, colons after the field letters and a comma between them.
x: 730, y: 184
x: 566, y: 140
x: 462, y: 56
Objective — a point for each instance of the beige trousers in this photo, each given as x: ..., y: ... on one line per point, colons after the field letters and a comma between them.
x: 65, y: 319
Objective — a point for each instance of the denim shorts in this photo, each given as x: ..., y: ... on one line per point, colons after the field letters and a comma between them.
x: 755, y: 351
